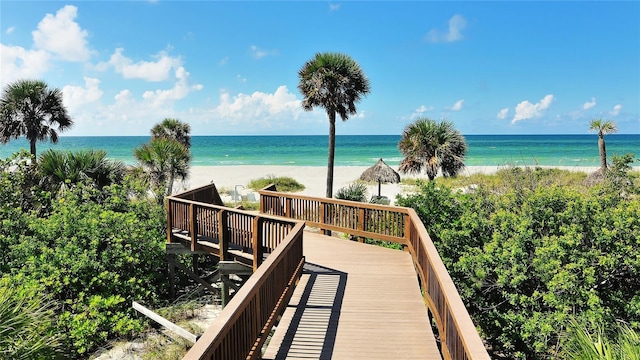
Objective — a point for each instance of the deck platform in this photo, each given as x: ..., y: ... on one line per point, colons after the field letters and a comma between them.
x: 354, y: 301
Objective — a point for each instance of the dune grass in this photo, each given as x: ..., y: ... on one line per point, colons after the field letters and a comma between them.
x: 283, y: 183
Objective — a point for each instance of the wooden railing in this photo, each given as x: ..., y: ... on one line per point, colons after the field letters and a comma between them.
x: 245, y: 323
x: 458, y: 334
x: 243, y: 326
x: 228, y: 231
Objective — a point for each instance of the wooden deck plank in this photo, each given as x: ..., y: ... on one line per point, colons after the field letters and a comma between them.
x: 355, y: 301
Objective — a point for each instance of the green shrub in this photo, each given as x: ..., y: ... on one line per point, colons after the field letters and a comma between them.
x: 527, y: 258
x: 356, y: 191
x: 283, y: 183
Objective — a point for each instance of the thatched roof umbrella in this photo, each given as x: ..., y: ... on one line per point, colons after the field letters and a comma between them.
x: 382, y: 173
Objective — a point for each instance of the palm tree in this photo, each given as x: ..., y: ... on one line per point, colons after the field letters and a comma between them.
x: 30, y: 108
x: 602, y: 127
x: 334, y: 82
x: 173, y: 129
x: 59, y: 167
x: 164, y: 160
x: 432, y: 146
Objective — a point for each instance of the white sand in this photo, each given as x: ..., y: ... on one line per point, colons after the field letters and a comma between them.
x: 314, y: 178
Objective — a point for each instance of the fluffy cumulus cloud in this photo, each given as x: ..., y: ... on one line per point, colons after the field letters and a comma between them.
x: 503, y: 113
x: 526, y: 110
x: 589, y: 104
x: 158, y: 70
x: 180, y: 90
x: 18, y: 63
x: 60, y: 35
x: 457, y: 23
x: 457, y: 106
x: 616, y: 110
x: 258, y: 106
x: 74, y: 97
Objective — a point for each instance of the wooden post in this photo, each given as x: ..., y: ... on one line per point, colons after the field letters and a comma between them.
x: 169, y: 221
x: 256, y: 241
x: 224, y: 246
x: 172, y: 276
x: 193, y: 224
x: 287, y: 208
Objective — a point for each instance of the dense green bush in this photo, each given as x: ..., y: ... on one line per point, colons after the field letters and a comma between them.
x: 93, y: 251
x: 528, y: 258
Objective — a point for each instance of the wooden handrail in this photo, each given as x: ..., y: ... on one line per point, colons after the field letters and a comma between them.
x: 244, y: 324
x: 458, y: 334
x: 229, y: 228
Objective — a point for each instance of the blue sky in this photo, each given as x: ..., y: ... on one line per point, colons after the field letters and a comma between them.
x: 230, y: 68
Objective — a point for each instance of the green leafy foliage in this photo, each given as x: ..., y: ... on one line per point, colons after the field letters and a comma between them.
x: 356, y: 191
x: 92, y: 252
x: 26, y: 321
x: 282, y: 183
x: 526, y: 258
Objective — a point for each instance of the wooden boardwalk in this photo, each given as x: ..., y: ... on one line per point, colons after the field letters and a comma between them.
x: 354, y: 301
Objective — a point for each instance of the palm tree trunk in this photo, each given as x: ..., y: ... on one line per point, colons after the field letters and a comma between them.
x: 32, y: 143
x: 603, y: 152
x: 332, y: 150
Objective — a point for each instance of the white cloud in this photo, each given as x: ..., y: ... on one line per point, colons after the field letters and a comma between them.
x: 457, y: 106
x: 158, y: 70
x: 616, y: 110
x: 181, y: 89
x: 457, y: 23
x: 62, y: 36
x: 589, y: 104
x: 526, y: 110
x: 241, y: 78
x: 420, y: 111
x: 10, y: 30
x: 334, y: 7
x: 75, y: 97
x: 224, y: 61
x: 258, y: 53
x: 18, y: 63
x: 503, y: 113
x: 258, y: 106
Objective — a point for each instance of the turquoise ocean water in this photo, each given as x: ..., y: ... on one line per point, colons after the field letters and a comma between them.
x: 358, y: 150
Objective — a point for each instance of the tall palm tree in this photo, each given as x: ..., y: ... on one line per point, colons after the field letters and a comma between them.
x: 31, y: 109
x: 432, y: 146
x: 602, y: 127
x: 173, y: 129
x: 164, y: 160
x: 334, y: 82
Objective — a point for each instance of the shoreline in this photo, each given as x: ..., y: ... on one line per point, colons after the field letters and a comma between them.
x: 314, y: 178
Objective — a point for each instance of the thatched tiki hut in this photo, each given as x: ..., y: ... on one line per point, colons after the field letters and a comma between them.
x: 382, y: 173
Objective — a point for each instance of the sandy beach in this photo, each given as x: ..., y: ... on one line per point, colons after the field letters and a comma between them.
x: 312, y: 177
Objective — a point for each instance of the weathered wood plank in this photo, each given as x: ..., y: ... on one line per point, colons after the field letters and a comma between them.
x: 367, y: 306
x: 164, y: 322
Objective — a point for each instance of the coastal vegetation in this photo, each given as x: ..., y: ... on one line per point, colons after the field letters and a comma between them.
x: 88, y: 250
x: 167, y: 156
x: 334, y: 82
x: 32, y: 109
x: 602, y: 127
x: 432, y: 146
x: 530, y: 253
x: 282, y: 183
